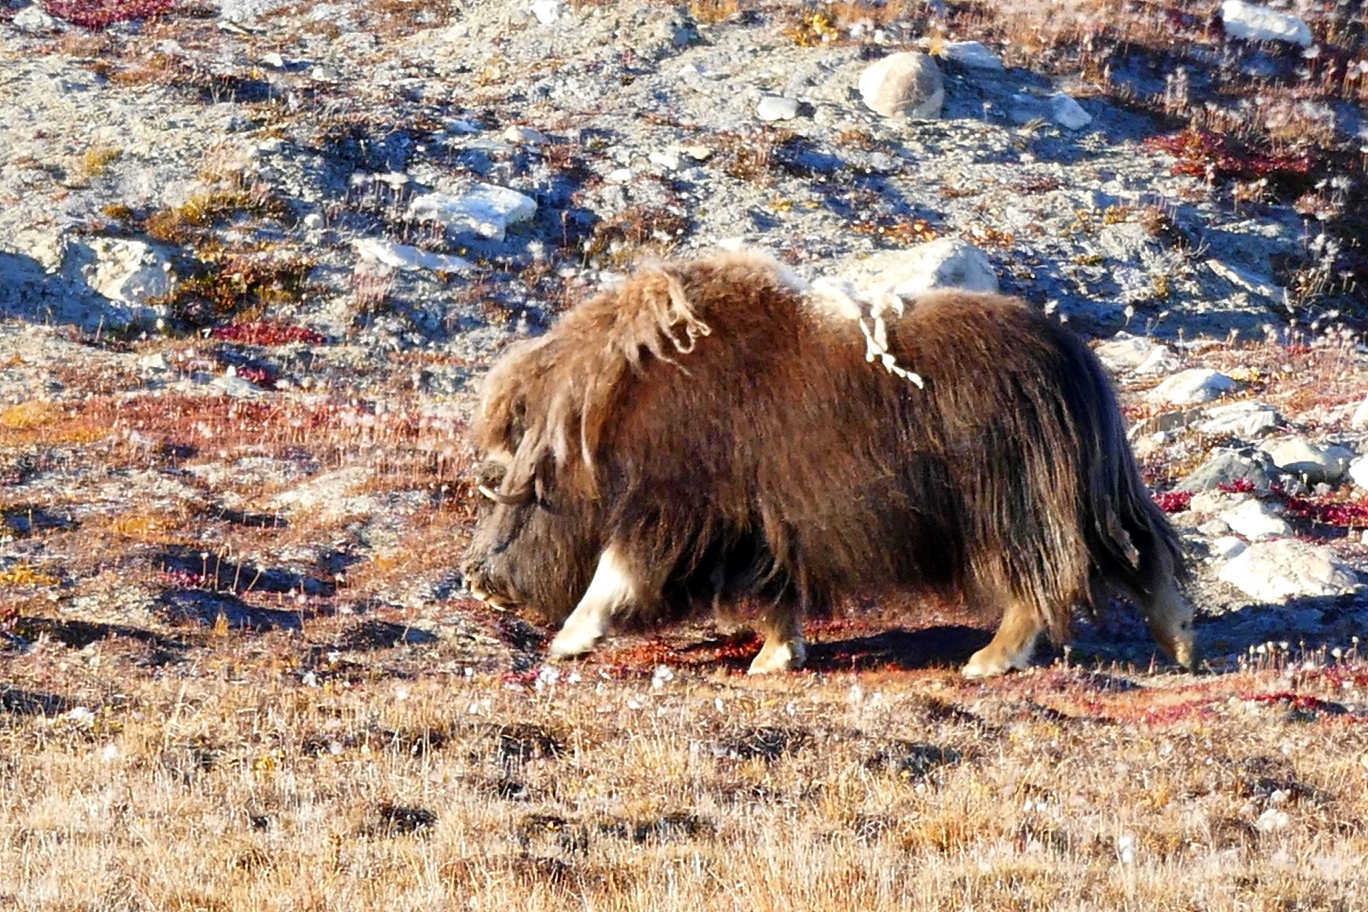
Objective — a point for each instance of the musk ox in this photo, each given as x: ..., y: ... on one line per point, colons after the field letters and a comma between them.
x: 713, y: 431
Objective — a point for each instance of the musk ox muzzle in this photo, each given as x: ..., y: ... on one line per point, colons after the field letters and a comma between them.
x: 712, y: 431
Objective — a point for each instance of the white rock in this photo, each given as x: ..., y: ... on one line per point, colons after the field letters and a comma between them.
x: 666, y: 158
x: 1245, y: 419
x: 1259, y: 23
x: 1160, y: 360
x: 1287, y: 568
x: 33, y: 21
x: 1308, y: 461
x: 1247, y: 281
x: 404, y: 256
x: 1271, y: 820
x: 776, y: 107
x: 942, y: 263
x: 1358, y: 471
x: 486, y: 209
x: 1191, y: 387
x: 1124, y: 351
x: 547, y: 11
x: 620, y: 176
x: 1360, y: 419
x: 907, y: 83
x: 274, y: 60
x: 1227, y: 547
x: 1254, y: 519
x: 524, y: 135
x: 971, y: 54
x: 313, y: 221
x: 236, y: 387
x: 1068, y: 113
x: 1215, y: 501
x: 154, y: 363
x: 122, y: 270
x: 328, y: 495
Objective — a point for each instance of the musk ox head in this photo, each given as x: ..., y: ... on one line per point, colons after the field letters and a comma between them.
x: 534, y: 541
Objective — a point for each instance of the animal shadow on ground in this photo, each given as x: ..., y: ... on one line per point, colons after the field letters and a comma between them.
x: 900, y: 648
x: 896, y: 648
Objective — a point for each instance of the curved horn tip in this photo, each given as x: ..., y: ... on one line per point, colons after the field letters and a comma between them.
x: 508, y: 500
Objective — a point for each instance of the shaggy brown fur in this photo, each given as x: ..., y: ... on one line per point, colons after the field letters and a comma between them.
x: 726, y: 434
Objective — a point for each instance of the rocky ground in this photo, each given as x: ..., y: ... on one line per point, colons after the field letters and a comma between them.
x: 255, y: 257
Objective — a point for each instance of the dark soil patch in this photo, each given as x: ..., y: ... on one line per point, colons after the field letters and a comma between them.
x: 519, y: 742
x: 401, y: 820
x: 912, y: 760
x: 32, y: 703
x: 374, y: 634
x: 766, y: 742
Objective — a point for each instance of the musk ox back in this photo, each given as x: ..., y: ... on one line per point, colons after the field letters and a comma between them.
x: 712, y: 431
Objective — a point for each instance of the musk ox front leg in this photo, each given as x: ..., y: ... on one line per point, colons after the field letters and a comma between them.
x: 784, y: 649
x: 1011, y: 646
x: 613, y: 588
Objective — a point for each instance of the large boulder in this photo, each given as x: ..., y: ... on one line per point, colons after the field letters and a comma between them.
x: 908, y: 83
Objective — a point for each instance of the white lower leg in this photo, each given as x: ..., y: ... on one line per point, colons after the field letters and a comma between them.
x: 784, y: 649
x: 611, y: 590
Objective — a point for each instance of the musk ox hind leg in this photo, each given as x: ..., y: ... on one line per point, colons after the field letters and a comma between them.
x: 1011, y: 646
x: 613, y: 588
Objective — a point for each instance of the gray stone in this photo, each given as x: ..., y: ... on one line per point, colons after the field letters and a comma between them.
x: 776, y: 107
x: 942, y: 263
x: 547, y: 11
x: 1307, y: 461
x: 329, y: 495
x: 1123, y: 352
x: 908, y: 83
x: 1068, y: 113
x: 407, y: 257
x: 486, y: 209
x: 1358, y: 471
x: 1286, y: 568
x: 1228, y: 466
x: 973, y: 55
x: 122, y: 270
x: 1189, y: 387
x: 524, y: 135
x: 1247, y: 281
x: 1226, y: 547
x: 1359, y: 421
x: 1255, y: 519
x: 33, y: 21
x: 1246, y: 419
x: 1260, y: 23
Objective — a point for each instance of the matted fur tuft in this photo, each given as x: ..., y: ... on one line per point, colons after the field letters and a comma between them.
x: 723, y: 429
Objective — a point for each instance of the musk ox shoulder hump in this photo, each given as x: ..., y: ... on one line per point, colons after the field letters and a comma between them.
x: 550, y: 396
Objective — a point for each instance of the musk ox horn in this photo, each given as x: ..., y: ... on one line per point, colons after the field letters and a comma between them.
x: 508, y: 500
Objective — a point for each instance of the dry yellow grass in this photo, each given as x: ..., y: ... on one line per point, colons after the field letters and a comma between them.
x: 229, y: 784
